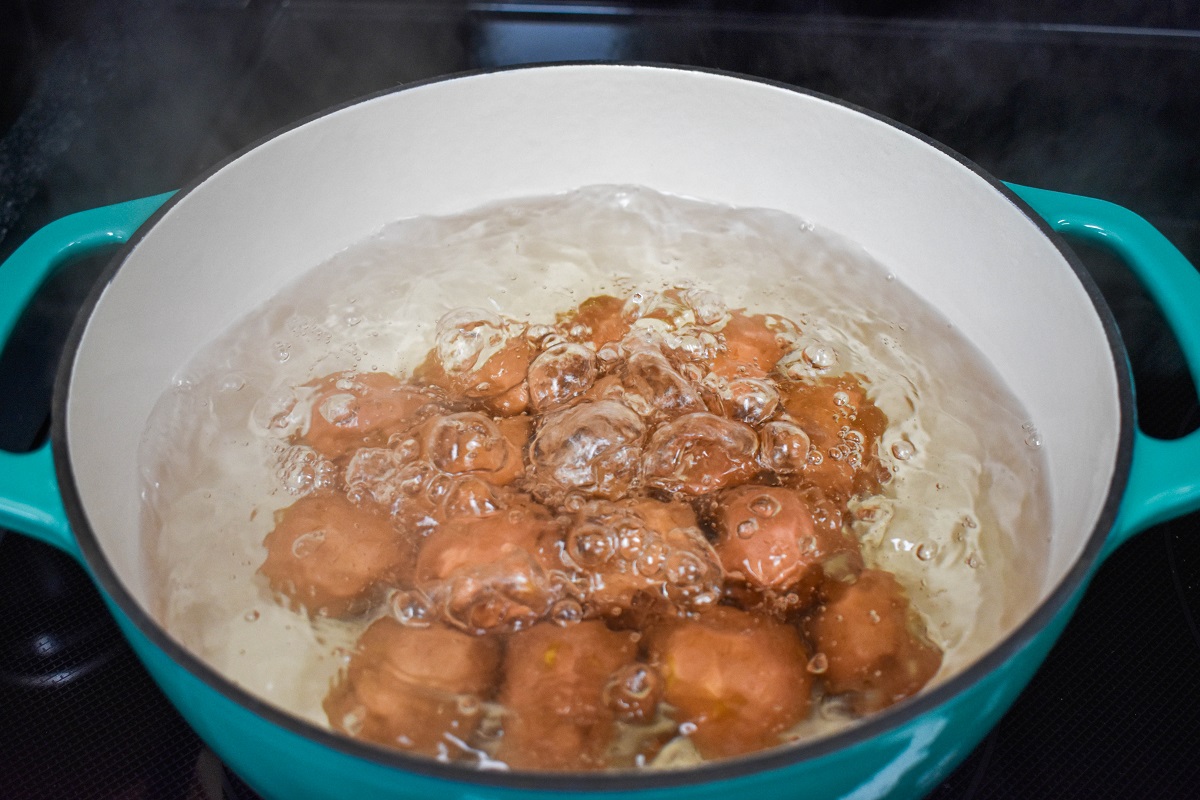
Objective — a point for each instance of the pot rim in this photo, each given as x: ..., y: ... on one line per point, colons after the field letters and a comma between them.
x: 882, y: 722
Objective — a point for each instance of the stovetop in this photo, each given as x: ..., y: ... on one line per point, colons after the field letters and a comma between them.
x: 105, y: 101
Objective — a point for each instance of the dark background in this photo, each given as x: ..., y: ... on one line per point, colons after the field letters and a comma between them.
x: 103, y: 101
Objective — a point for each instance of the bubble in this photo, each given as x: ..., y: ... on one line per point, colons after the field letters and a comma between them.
x: 818, y: 664
x: 339, y: 409
x: 232, y: 382
x: 841, y: 399
x: 590, y: 546
x: 665, y: 393
x: 567, y: 611
x: 685, y: 568
x: 637, y: 305
x: 746, y: 528
x: 466, y: 337
x: 307, y: 544
x: 630, y: 543
x: 652, y: 561
x: 279, y: 411
x: 753, y: 400
x: 903, y: 450
x: 765, y: 506
x: 633, y: 692
x: 610, y: 353
x: 472, y: 497
x: 405, y: 448
x: 699, y: 453
x: 560, y: 374
x: 411, y: 608
x: 592, y: 447
x: 708, y: 306
x: 466, y: 442
x: 302, y: 471
x: 972, y: 561
x: 373, y: 471
x: 468, y: 705
x: 281, y: 352
x: 252, y: 615
x: 926, y: 552
x: 1034, y: 440
x: 819, y: 356
x: 536, y: 334
x: 687, y: 728
x: 784, y: 447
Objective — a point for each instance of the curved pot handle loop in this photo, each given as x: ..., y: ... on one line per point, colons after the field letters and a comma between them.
x: 29, y: 498
x: 1164, y: 477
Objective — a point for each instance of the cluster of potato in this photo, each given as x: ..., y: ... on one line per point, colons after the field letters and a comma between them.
x: 581, y: 541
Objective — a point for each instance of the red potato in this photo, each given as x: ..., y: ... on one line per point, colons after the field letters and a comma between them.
x: 751, y: 348
x: 873, y: 642
x: 739, y: 679
x: 498, y: 383
x: 589, y: 450
x: 559, y: 714
x: 844, y: 427
x: 496, y: 572
x: 332, y: 557
x: 640, y: 558
x: 350, y: 411
x: 598, y: 321
x: 469, y: 442
x: 655, y: 390
x: 415, y: 689
x: 767, y: 541
x: 700, y: 453
x: 560, y: 374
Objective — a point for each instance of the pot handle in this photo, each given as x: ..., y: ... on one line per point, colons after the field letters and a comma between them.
x: 1164, y: 477
x: 29, y: 497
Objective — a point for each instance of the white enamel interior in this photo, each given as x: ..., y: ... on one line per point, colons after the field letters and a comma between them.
x: 290, y: 203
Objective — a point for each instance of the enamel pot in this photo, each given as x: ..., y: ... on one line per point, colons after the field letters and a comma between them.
x: 986, y: 254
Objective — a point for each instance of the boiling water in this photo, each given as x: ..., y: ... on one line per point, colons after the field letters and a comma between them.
x: 964, y: 522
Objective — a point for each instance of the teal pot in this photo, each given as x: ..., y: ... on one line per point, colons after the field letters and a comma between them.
x: 986, y: 254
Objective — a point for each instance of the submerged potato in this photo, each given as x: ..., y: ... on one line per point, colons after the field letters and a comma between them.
x: 353, y: 410
x: 873, y: 641
x: 844, y: 427
x: 558, y: 714
x: 740, y: 679
x: 638, y: 558
x: 415, y: 689
x: 494, y: 572
x: 767, y: 540
x: 751, y: 348
x: 331, y: 557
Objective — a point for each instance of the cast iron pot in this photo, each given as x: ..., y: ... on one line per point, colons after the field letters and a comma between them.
x: 982, y: 252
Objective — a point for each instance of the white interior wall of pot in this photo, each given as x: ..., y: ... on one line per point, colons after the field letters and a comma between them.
x: 286, y: 206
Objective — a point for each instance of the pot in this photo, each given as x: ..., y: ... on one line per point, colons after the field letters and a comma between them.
x: 984, y: 253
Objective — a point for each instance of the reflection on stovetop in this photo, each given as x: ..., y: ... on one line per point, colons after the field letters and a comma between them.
x: 141, y: 97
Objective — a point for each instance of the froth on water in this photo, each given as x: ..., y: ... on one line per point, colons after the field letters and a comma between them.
x: 963, y: 522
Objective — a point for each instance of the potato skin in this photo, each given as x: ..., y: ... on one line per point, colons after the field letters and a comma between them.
x: 557, y: 715
x: 416, y: 689
x: 837, y: 416
x: 873, y: 642
x: 330, y: 556
x: 767, y: 541
x: 751, y: 347
x: 741, y: 679
x: 366, y: 408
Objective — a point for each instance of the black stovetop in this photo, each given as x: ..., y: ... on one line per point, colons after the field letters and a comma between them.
x: 104, y: 101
